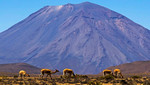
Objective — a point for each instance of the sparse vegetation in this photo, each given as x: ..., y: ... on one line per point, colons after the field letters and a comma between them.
x: 15, y: 76
x: 109, y: 77
x: 136, y: 76
x: 77, y: 80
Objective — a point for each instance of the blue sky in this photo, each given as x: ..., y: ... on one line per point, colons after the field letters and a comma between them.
x: 13, y: 11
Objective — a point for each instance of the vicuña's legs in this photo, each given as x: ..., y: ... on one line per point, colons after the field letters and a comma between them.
x: 47, y: 75
x: 104, y: 74
x: 50, y: 76
x: 70, y: 74
x: 121, y: 75
x: 42, y: 74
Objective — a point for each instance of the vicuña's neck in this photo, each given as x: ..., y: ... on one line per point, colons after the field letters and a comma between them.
x: 53, y: 72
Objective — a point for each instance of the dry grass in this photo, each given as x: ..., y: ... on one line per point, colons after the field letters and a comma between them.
x: 78, y: 80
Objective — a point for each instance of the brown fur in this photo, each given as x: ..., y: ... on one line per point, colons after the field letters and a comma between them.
x: 48, y: 72
x: 107, y: 72
x: 118, y: 73
x: 23, y: 73
x: 68, y: 71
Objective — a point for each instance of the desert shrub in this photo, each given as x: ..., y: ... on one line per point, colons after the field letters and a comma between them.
x: 20, y: 83
x: 139, y: 81
x: 45, y: 79
x: 146, y: 83
x: 109, y: 77
x: 136, y: 76
x: 66, y: 77
x: 131, y: 83
x: 83, y: 76
x: 81, y: 79
x: 91, y: 83
x: 144, y: 78
x: 94, y: 83
x: 15, y: 76
x: 14, y: 82
x: 53, y: 82
x: 84, y: 82
x: 61, y: 76
x: 29, y: 79
x: 123, y: 82
x: 4, y: 77
x: 1, y: 80
x: 100, y: 78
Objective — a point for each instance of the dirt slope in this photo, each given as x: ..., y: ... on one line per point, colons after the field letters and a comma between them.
x: 16, y: 67
x: 135, y: 67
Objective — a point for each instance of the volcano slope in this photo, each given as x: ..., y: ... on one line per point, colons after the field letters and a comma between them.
x: 84, y: 37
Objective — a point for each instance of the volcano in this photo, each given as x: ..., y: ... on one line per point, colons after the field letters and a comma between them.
x: 85, y: 37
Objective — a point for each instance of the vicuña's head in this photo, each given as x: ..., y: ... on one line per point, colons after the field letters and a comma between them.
x: 56, y: 70
x: 27, y: 75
